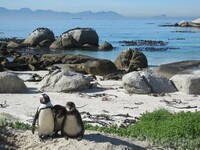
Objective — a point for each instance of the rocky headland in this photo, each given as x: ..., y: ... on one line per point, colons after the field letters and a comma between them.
x: 195, y: 23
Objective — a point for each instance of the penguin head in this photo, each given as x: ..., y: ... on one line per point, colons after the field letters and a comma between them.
x: 44, y: 99
x: 70, y: 106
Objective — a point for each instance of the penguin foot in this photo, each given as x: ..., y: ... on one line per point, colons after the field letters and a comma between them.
x: 50, y: 138
x: 41, y: 138
x: 79, y: 138
x: 66, y: 137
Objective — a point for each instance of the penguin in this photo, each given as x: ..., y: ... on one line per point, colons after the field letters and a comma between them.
x: 72, y: 125
x: 45, y: 118
x: 59, y: 116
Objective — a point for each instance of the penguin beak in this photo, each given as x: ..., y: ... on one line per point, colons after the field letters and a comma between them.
x: 69, y: 108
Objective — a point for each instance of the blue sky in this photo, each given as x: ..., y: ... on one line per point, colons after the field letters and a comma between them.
x: 182, y: 8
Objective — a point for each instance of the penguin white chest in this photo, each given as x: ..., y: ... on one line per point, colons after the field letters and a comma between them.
x: 72, y: 127
x: 45, y: 122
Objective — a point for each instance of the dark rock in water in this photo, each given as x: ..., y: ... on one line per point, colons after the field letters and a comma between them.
x: 194, y: 23
x: 168, y: 25
x: 106, y: 46
x: 131, y: 60
x: 39, y: 35
x: 171, y: 69
x: 143, y: 43
x: 178, y: 39
x: 155, y: 49
x: 99, y: 67
x: 180, y: 31
x: 14, y: 39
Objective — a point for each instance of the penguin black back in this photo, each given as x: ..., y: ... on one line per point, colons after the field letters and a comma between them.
x: 59, y: 116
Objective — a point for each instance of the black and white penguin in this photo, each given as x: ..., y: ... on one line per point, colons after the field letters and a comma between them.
x: 44, y: 117
x: 59, y: 116
x: 73, y: 125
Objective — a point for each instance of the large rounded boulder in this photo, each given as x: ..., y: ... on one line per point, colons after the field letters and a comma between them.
x: 38, y: 36
x: 134, y: 83
x: 188, y: 83
x: 61, y: 81
x: 80, y: 36
x: 99, y: 67
x: 11, y: 83
x: 57, y: 44
x: 131, y: 60
x: 146, y: 81
x: 106, y: 46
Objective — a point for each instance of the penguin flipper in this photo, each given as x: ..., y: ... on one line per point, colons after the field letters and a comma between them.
x: 80, y: 121
x: 34, y: 122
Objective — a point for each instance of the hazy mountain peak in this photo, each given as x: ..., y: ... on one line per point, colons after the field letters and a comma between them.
x: 28, y: 13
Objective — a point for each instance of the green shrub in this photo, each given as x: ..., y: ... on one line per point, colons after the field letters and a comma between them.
x: 161, y: 127
x: 15, y: 125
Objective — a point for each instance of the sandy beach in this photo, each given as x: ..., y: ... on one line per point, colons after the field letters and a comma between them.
x: 108, y: 98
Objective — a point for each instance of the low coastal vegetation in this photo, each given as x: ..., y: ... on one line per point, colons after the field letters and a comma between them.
x: 171, y: 130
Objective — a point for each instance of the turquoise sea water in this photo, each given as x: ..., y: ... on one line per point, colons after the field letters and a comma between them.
x: 185, y: 42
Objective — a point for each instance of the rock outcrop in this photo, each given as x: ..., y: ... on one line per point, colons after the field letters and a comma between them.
x: 188, y: 83
x: 78, y: 37
x: 146, y: 81
x: 57, y: 44
x: 12, y: 45
x: 11, y: 83
x: 60, y: 81
x: 106, y: 46
x: 195, y: 23
x: 156, y: 82
x: 99, y: 67
x: 133, y: 83
x: 171, y: 69
x: 39, y: 35
x: 131, y: 60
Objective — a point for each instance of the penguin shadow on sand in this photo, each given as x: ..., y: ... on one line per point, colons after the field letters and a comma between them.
x: 100, y: 138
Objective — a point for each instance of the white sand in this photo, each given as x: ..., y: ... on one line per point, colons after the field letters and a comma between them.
x: 22, y: 107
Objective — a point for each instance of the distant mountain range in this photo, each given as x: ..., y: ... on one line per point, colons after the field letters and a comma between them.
x: 28, y: 13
